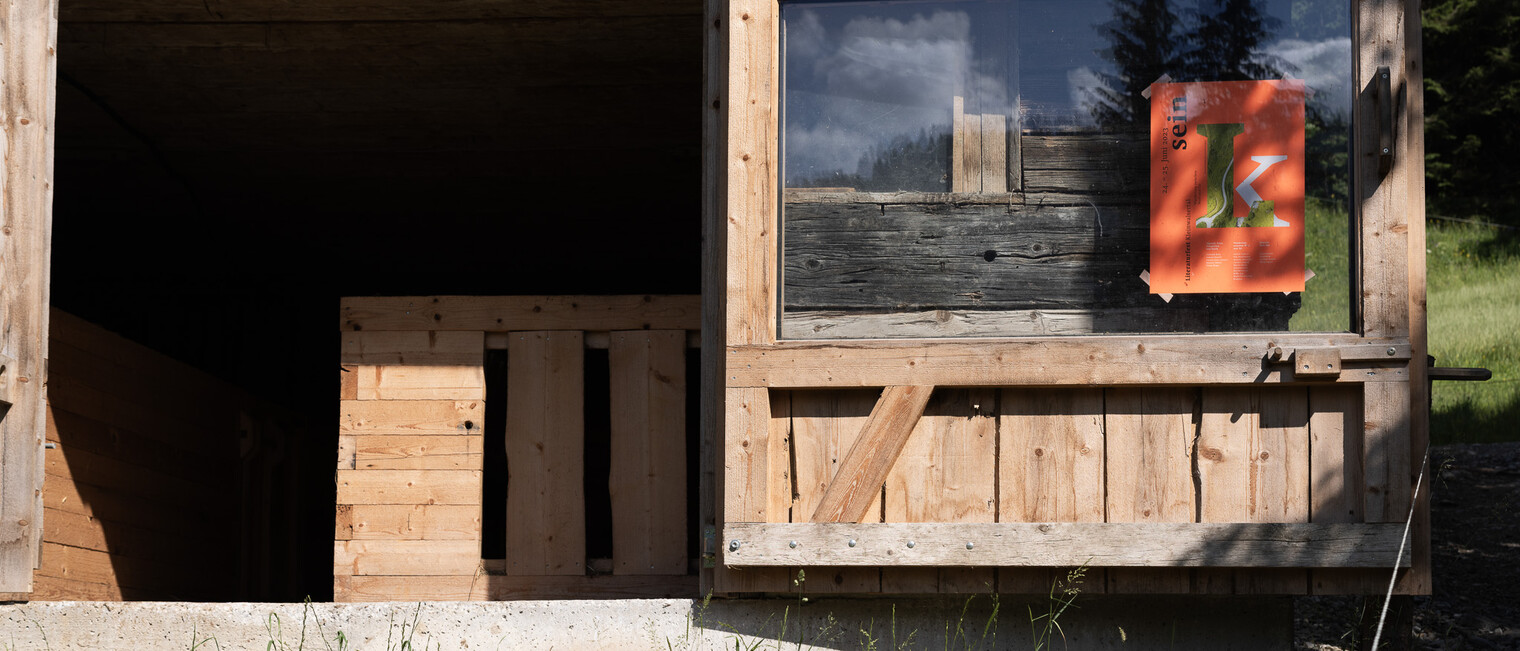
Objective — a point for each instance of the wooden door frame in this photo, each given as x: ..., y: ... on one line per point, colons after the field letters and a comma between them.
x: 743, y: 357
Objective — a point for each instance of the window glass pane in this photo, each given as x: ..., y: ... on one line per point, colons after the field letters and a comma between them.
x: 989, y: 168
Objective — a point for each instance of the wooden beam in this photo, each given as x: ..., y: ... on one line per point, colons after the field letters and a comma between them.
x: 507, y: 313
x: 864, y: 469
x: 1110, y: 360
x: 1096, y: 544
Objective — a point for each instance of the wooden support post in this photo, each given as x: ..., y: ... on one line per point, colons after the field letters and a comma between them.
x: 864, y: 469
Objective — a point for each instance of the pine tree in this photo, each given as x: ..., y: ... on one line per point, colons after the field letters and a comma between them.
x: 1143, y: 45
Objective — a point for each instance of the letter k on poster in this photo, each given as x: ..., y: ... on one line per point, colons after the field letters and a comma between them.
x: 1227, y: 187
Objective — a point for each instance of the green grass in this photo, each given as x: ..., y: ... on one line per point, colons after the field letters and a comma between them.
x: 1327, y: 246
x: 1473, y: 303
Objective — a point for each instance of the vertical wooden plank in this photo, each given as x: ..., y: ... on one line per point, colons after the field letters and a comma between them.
x: 958, y: 144
x: 1417, y: 580
x: 972, y: 153
x: 994, y: 153
x: 715, y: 96
x: 1149, y: 468
x: 1050, y: 469
x: 348, y: 382
x: 824, y: 425
x: 1223, y: 457
x: 1335, y: 471
x: 30, y: 35
x: 1386, y: 441
x: 546, y: 521
x: 1279, y: 480
x: 1015, y: 149
x: 647, y: 483
x: 748, y: 489
x: 752, y: 171
x: 946, y: 473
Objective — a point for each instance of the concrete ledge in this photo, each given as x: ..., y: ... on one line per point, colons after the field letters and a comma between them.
x: 828, y: 623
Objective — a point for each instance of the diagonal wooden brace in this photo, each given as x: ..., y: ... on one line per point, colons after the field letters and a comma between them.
x: 865, y: 467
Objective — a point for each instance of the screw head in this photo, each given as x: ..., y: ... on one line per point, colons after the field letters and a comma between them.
x: 912, y: 544
x: 970, y: 545
x: 1391, y: 351
x: 733, y: 545
x: 792, y: 544
x: 852, y: 542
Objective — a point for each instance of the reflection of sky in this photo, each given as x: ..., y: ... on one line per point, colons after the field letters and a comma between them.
x: 861, y: 75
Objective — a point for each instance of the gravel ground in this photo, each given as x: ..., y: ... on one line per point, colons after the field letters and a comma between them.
x: 1475, y: 553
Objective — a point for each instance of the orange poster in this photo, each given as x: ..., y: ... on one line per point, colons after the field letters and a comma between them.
x: 1227, y: 187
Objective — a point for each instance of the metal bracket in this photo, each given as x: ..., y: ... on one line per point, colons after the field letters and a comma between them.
x: 1383, y: 82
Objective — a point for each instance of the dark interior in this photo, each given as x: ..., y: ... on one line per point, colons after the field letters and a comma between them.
x: 225, y: 173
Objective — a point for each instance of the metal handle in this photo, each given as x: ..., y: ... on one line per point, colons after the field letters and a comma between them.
x: 1385, y: 118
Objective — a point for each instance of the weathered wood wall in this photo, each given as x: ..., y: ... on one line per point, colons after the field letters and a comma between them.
x: 1283, y: 454
x: 142, y: 488
x: 411, y: 502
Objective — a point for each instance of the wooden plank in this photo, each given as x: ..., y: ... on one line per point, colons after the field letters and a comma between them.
x: 415, y: 452
x: 838, y: 324
x: 864, y: 469
x: 749, y: 217
x: 422, y: 383
x: 101, y: 471
x: 403, y: 348
x: 1115, y: 360
x: 348, y: 382
x: 1386, y: 463
x: 994, y: 139
x: 51, y: 588
x: 346, y: 452
x: 1050, y: 469
x: 757, y: 426
x: 411, y: 521
x: 29, y: 68
x: 1149, y: 468
x: 511, y: 313
x: 711, y: 499
x: 1335, y: 471
x: 1100, y: 544
x: 946, y: 473
x: 546, y: 501
x: 1418, y: 579
x: 412, y: 417
x: 406, y: 557
x: 514, y: 588
x: 648, y: 473
x: 824, y: 425
x: 959, y: 177
x: 104, y: 504
x: 408, y: 487
x: 963, y: 256
x: 185, y: 460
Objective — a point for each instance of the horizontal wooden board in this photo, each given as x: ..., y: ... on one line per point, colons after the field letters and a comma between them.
x: 1115, y: 360
x: 52, y: 588
x: 409, y: 487
x: 408, y: 522
x: 101, y: 471
x: 417, y: 452
x: 406, y: 557
x: 823, y: 324
x: 407, y: 348
x: 870, y: 256
x: 412, y: 417
x: 432, y: 382
x: 509, y: 313
x: 105, y: 504
x: 188, y: 461
x: 1070, y: 544
x: 501, y: 588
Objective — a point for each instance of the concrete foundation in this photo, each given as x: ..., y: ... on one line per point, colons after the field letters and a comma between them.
x: 1096, y: 622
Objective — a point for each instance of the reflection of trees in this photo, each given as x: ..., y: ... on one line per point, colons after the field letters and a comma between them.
x: 918, y: 163
x: 1143, y: 45
x: 1226, y: 44
x: 1327, y: 153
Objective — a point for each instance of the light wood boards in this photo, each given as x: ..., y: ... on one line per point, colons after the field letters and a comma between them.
x: 1170, y: 545
x: 405, y: 382
x: 1149, y: 452
x: 412, y: 347
x: 648, y: 473
x: 498, y: 588
x: 824, y: 425
x: 412, y: 417
x: 857, y: 483
x: 29, y: 67
x: 1096, y: 361
x: 546, y: 523
x: 526, y: 313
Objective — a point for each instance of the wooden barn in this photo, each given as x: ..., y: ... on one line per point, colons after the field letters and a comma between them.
x: 669, y: 299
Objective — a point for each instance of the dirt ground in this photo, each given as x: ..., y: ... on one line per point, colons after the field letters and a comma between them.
x: 1475, y: 510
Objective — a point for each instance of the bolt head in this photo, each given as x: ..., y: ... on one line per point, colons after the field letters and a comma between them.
x: 970, y: 545
x: 792, y: 544
x: 1391, y: 351
x: 912, y: 544
x: 852, y: 542
x: 733, y: 545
